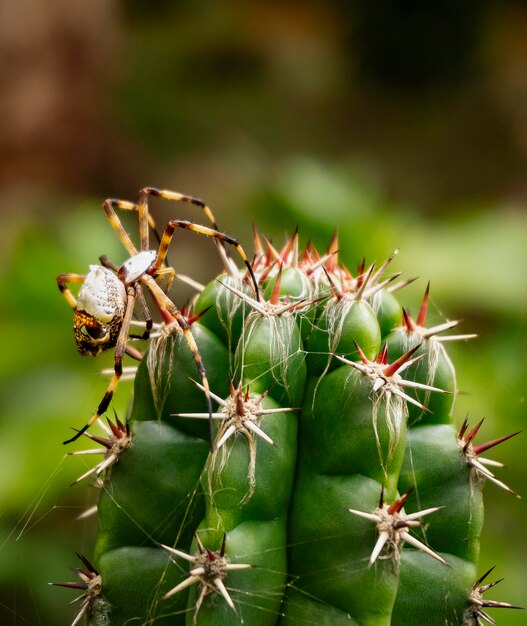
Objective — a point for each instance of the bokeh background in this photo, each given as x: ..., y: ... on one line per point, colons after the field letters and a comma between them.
x: 402, y: 124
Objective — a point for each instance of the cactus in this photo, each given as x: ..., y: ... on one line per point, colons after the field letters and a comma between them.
x: 336, y: 489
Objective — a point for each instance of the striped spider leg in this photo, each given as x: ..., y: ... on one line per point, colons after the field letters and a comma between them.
x: 106, y: 300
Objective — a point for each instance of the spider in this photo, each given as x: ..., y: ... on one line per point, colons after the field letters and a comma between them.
x: 106, y: 300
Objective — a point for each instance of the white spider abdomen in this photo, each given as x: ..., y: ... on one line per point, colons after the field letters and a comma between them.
x: 137, y: 266
x: 102, y: 295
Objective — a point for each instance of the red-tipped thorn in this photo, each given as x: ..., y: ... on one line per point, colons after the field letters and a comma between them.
x: 408, y: 322
x: 332, y: 252
x: 361, y: 354
x: 483, y: 447
x: 423, y: 311
x: 473, y: 432
x: 275, y: 295
x: 463, y: 428
x: 398, y: 505
x: 286, y: 250
x: 392, y: 368
x: 193, y: 318
x: 382, y: 357
x: 258, y: 248
x: 167, y: 317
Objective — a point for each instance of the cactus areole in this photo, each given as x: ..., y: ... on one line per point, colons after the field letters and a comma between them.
x: 335, y: 490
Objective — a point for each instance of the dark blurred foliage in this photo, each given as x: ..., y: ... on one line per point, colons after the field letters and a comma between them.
x: 404, y: 124
x: 412, y: 46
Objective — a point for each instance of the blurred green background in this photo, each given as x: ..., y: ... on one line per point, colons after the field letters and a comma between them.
x: 403, y: 124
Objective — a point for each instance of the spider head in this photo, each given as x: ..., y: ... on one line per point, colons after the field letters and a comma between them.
x: 91, y: 336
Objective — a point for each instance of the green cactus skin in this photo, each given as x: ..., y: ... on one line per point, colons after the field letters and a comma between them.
x: 323, y: 446
x: 225, y: 311
x: 387, y: 310
x: 435, y: 368
x: 430, y: 593
x: 343, y: 324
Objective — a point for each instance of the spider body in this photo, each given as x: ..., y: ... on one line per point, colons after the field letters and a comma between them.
x: 99, y: 313
x: 105, y: 303
x: 137, y: 266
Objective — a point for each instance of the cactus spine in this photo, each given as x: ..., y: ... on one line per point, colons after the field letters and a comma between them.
x: 337, y: 490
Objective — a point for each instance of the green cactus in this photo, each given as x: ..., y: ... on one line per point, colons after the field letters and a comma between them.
x: 335, y: 490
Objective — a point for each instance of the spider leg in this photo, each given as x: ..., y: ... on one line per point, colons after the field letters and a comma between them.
x: 105, y: 262
x: 120, y: 349
x: 170, y: 272
x: 109, y: 206
x: 62, y: 282
x: 146, y: 314
x: 180, y: 197
x: 208, y: 232
x: 191, y: 342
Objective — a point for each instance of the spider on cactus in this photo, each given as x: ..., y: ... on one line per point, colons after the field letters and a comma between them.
x: 322, y: 393
x: 106, y: 301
